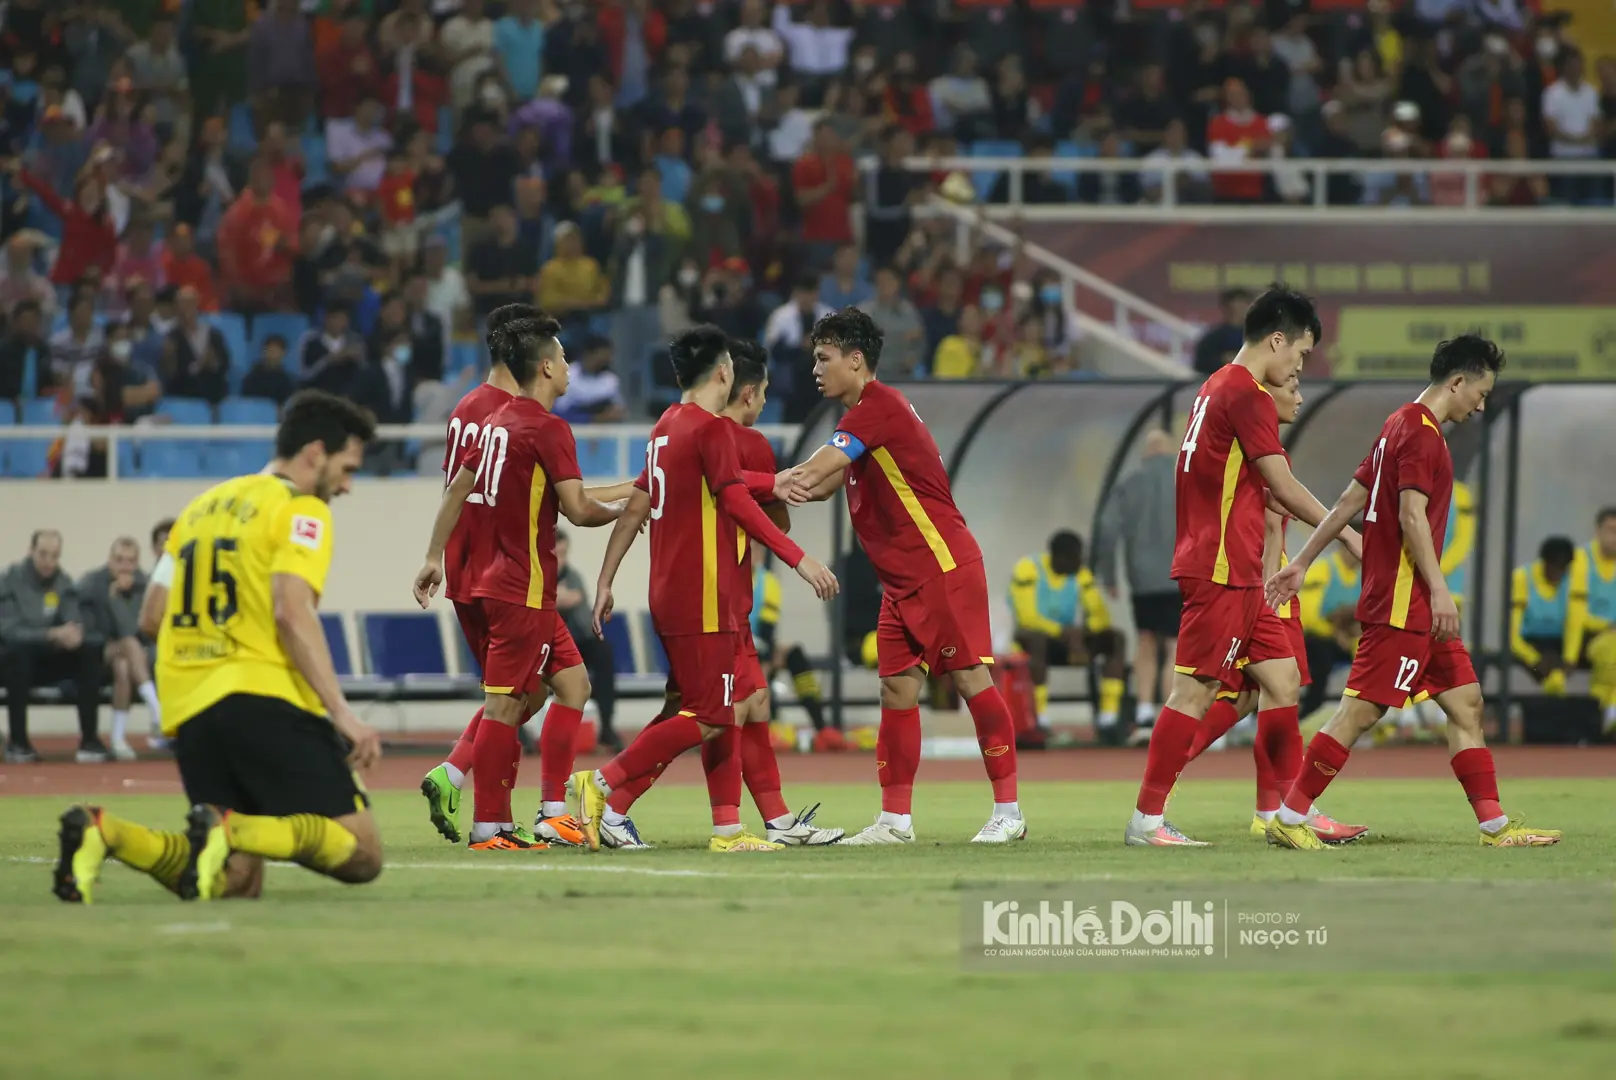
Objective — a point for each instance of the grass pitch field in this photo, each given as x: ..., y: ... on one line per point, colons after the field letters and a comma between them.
x: 822, y: 963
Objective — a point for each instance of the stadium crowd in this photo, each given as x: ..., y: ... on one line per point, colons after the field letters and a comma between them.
x: 206, y: 201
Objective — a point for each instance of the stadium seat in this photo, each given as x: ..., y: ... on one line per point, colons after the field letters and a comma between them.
x: 656, y: 659
x: 288, y: 326
x: 1068, y: 149
x: 597, y: 457
x: 237, y: 457
x: 169, y: 458
x: 40, y: 411
x: 316, y: 165
x: 469, y: 664
x: 616, y: 633
x: 186, y: 411
x: 446, y: 129
x: 241, y: 137
x: 464, y: 355
x: 336, y: 638
x: 1000, y: 148
x: 233, y: 328
x: 408, y: 646
x: 247, y: 411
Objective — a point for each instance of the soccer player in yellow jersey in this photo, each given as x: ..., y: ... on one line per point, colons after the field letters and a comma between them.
x: 266, y: 744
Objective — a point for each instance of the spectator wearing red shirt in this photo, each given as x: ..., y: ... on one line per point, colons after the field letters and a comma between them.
x: 824, y: 181
x: 617, y: 17
x: 185, y: 269
x: 349, y: 71
x: 287, y: 165
x: 395, y: 195
x: 906, y: 101
x: 257, y: 244
x: 89, y: 239
x: 1238, y: 133
x: 1448, y: 188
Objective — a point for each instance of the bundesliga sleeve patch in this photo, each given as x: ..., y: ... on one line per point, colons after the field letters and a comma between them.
x: 307, y: 531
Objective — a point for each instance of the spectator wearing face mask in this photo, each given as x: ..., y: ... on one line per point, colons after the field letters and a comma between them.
x: 962, y: 355
x: 715, y: 224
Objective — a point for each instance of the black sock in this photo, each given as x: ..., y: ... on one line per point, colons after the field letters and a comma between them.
x: 806, y: 684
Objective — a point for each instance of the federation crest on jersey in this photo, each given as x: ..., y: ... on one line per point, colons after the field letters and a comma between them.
x: 841, y: 440
x: 306, y: 531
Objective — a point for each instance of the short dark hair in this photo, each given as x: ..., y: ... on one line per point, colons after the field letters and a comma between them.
x: 276, y: 339
x: 1557, y: 549
x: 40, y: 534
x: 1470, y: 355
x: 316, y: 416
x: 1282, y: 310
x: 807, y: 283
x: 1066, y: 543
x: 1604, y: 515
x: 850, y: 330
x: 503, y: 316
x: 25, y: 307
x: 696, y: 352
x: 751, y: 365
x: 522, y: 343
x: 162, y: 528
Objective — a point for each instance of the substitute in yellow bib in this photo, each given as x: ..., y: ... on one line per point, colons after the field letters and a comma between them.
x: 265, y: 741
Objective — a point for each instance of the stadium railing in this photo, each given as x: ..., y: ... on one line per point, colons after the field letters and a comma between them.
x: 1316, y: 170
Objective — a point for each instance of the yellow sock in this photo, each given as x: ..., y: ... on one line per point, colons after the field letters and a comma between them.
x: 1110, y: 695
x: 163, y: 855
x: 1040, y: 700
x: 318, y: 843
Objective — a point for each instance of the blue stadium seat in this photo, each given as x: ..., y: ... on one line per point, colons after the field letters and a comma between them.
x: 316, y: 166
x: 128, y: 460
x: 469, y: 664
x: 656, y: 658
x: 617, y: 635
x: 287, y: 325
x: 774, y: 411
x: 464, y: 355
x: 237, y: 457
x: 169, y: 458
x: 447, y: 122
x: 1000, y: 148
x: 233, y: 328
x: 403, y: 643
x: 37, y: 411
x: 337, y: 639
x: 1068, y: 149
x: 597, y: 457
x: 247, y: 411
x: 186, y: 411
x: 241, y: 137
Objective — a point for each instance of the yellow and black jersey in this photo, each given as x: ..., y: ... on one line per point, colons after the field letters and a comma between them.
x: 218, y: 635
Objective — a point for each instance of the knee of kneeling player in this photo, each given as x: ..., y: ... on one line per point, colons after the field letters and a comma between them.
x: 364, y: 865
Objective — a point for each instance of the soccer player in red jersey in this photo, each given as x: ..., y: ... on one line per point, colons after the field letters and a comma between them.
x: 1410, y: 647
x: 442, y: 785
x: 1276, y: 640
x: 934, y: 609
x: 1231, y: 451
x: 759, y: 767
x: 525, y: 468
x: 694, y: 494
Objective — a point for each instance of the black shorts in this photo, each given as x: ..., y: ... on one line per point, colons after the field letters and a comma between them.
x: 1157, y: 613
x: 262, y: 755
x: 1056, y: 654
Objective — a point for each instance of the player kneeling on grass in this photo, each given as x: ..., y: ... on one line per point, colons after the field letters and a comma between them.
x: 266, y: 744
x: 525, y: 467
x: 1410, y: 646
x: 759, y: 768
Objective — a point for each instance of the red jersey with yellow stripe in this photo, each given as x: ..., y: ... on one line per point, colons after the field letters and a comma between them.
x: 1409, y: 455
x: 524, y: 452
x: 1221, y: 498
x: 691, y: 458
x: 465, y: 553
x: 898, y: 493
x: 753, y: 453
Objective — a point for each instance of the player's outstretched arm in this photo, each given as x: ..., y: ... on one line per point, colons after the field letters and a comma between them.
x: 430, y: 576
x: 1288, y: 582
x: 1293, y: 495
x: 628, y: 525
x: 611, y: 492
x: 586, y: 512
x: 816, y: 479
x: 1273, y: 542
x: 1421, y: 548
x: 738, y: 504
x: 297, y: 622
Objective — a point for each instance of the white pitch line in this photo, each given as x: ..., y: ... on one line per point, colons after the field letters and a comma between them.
x: 219, y: 927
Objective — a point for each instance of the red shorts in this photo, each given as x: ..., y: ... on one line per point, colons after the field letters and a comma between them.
x: 748, y: 667
x: 525, y: 645
x: 701, y: 670
x: 1215, y: 630
x: 473, y: 624
x: 942, y: 626
x: 1396, y: 667
x: 1274, y: 638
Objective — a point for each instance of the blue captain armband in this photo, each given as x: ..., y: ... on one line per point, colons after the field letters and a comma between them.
x: 847, y: 444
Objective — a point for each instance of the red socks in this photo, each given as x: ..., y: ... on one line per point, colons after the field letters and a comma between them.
x: 996, y: 735
x: 557, y: 739
x: 1325, y: 757
x: 654, y: 748
x: 1214, y: 725
x: 721, y: 759
x: 461, y: 756
x: 626, y: 796
x: 761, y: 770
x: 496, y: 756
x: 1170, y: 742
x: 897, y: 758
x: 1474, y: 769
x: 1278, y: 753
